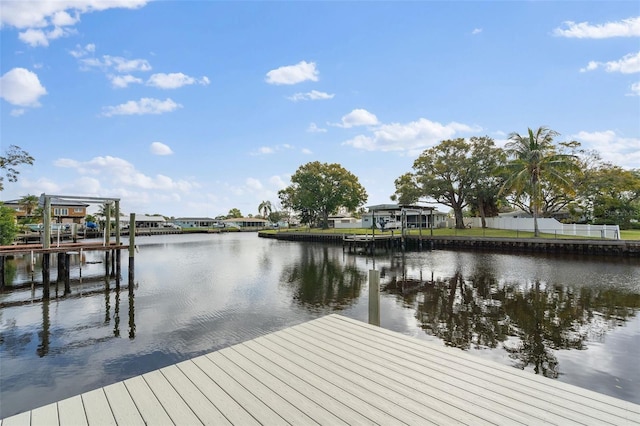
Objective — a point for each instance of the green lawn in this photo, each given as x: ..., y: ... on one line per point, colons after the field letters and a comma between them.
x: 630, y: 234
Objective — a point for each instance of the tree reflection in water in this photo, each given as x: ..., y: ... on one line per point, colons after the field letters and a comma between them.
x: 530, y: 321
x: 324, y: 283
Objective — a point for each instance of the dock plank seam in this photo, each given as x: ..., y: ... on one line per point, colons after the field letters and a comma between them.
x: 446, y: 384
x: 552, y: 388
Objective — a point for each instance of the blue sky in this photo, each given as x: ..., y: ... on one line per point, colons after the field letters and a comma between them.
x: 192, y: 108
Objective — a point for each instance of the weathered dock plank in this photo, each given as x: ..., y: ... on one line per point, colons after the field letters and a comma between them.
x: 332, y: 371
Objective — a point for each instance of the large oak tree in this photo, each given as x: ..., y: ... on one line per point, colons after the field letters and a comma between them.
x: 318, y: 190
x: 455, y: 173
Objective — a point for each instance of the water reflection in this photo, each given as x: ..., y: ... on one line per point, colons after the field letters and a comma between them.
x: 320, y: 279
x: 14, y: 340
x: 531, y: 321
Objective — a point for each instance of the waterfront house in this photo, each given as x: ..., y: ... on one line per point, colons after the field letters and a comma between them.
x: 416, y: 216
x: 197, y: 222
x: 246, y: 223
x: 62, y: 211
x: 343, y: 221
x: 144, y: 221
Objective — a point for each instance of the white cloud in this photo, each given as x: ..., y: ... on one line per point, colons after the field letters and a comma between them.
x: 635, y: 89
x: 34, y: 37
x: 21, y: 87
x: 142, y: 107
x: 476, y: 31
x: 81, y: 51
x: 413, y: 137
x: 254, y: 184
x: 629, y: 64
x: 267, y: 150
x: 122, y: 81
x: 306, y: 151
x: 278, y: 182
x: 621, y: 151
x: 43, y: 21
x: 117, y: 63
x: 158, y: 148
x: 174, y: 80
x: 626, y: 28
x: 358, y: 117
x: 117, y: 172
x: 313, y: 95
x: 293, y: 74
x: 313, y: 128
x: 17, y: 112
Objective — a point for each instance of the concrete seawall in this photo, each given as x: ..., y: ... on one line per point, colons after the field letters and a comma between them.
x: 620, y: 248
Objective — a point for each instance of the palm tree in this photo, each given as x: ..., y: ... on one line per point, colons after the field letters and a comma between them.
x: 29, y: 203
x: 533, y: 160
x: 265, y: 208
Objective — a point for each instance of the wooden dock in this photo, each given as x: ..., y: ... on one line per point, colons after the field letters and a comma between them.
x: 335, y: 371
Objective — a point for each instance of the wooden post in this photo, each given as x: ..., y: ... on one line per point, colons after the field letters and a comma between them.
x: 67, y: 273
x: 61, y: 274
x: 420, y: 244
x: 118, y: 268
x: 374, y: 297
x: 46, y: 259
x: 113, y: 263
x: 117, y: 205
x: 132, y: 246
x: 2, y: 272
x: 107, y: 225
x: 46, y: 232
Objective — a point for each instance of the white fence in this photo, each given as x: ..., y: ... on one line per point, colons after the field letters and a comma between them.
x: 547, y: 226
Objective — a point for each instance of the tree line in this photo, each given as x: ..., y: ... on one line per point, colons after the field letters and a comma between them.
x: 533, y: 172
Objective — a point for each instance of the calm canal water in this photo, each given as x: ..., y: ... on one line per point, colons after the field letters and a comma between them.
x: 572, y: 319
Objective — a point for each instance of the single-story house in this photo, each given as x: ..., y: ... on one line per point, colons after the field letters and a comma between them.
x: 416, y: 216
x: 144, y: 221
x: 245, y: 223
x: 343, y: 221
x: 197, y: 222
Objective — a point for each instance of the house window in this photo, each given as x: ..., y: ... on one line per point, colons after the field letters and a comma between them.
x: 60, y: 211
x: 78, y: 210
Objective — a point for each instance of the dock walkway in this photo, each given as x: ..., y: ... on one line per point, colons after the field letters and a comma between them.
x: 334, y: 371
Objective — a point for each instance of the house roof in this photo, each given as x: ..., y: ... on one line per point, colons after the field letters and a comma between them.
x: 54, y: 202
x: 378, y: 207
x: 195, y: 219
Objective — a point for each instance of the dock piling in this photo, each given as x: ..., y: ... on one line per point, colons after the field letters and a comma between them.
x: 374, y: 297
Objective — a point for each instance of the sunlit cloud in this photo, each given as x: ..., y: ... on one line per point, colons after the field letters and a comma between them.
x: 629, y: 64
x: 142, y: 107
x: 293, y: 74
x: 174, y: 80
x: 43, y: 21
x: 313, y: 128
x: 412, y: 137
x: 21, y: 87
x: 158, y: 148
x: 357, y: 117
x: 313, y: 95
x: 613, y: 148
x: 625, y: 28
